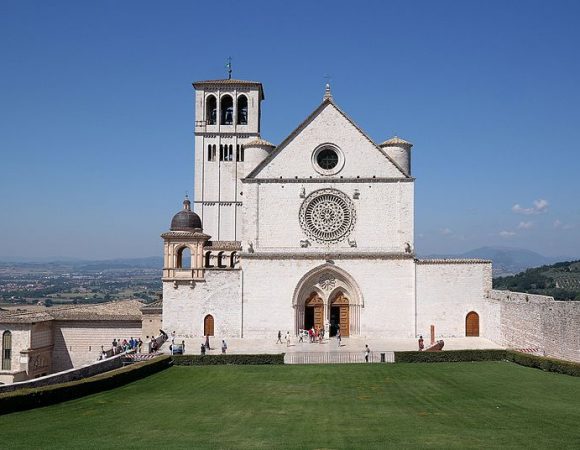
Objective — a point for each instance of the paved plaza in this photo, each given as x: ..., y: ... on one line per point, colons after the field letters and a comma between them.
x: 348, y: 345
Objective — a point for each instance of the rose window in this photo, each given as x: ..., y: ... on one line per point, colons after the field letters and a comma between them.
x: 327, y: 216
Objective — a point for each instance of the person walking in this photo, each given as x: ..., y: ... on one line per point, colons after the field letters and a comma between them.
x: 367, y: 353
x: 421, y: 344
x: 224, y: 347
x: 287, y: 339
x: 279, y: 341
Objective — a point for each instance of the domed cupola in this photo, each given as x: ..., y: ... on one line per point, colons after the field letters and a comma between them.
x: 186, y: 219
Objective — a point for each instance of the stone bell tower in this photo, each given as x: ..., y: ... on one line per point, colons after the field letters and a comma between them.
x: 227, y: 116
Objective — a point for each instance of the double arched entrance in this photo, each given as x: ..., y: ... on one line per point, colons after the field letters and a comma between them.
x: 328, y: 298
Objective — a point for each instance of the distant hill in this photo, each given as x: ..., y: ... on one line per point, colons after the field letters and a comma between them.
x: 560, y: 280
x: 507, y: 260
x: 151, y: 262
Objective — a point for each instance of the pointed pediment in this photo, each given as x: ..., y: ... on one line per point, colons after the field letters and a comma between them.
x: 329, y: 126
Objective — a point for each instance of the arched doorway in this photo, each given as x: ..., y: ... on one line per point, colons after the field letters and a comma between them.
x: 472, y: 324
x: 313, y: 312
x: 339, y: 315
x: 339, y: 294
x: 208, y: 325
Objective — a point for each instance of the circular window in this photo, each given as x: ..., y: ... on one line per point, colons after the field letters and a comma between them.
x: 327, y: 216
x: 327, y: 159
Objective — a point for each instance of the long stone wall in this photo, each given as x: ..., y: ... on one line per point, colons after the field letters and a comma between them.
x: 68, y: 375
x: 527, y: 321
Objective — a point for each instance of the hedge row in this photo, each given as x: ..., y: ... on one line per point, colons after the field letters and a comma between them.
x: 451, y: 356
x: 217, y: 360
x: 48, y: 395
x: 523, y: 359
x: 547, y: 364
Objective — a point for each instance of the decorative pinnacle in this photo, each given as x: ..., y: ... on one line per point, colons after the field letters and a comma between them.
x: 327, y: 93
x: 229, y: 67
x: 186, y: 203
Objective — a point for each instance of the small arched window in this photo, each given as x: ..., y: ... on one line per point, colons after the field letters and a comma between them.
x: 227, y: 110
x: 242, y: 110
x: 239, y: 152
x: 6, y: 350
x: 211, y: 110
x: 183, y: 258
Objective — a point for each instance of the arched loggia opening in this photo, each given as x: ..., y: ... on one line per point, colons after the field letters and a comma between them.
x: 211, y: 110
x: 183, y: 258
x: 242, y: 110
x: 227, y: 110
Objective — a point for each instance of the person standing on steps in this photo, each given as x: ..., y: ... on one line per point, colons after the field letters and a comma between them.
x: 421, y: 344
x: 279, y: 341
x: 367, y: 353
x: 338, y: 337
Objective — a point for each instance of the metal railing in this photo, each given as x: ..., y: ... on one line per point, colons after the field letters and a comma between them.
x: 338, y: 357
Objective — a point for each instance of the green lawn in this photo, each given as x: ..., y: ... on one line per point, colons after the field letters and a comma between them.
x: 445, y: 405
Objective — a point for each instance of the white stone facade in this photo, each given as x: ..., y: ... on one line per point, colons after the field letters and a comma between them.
x: 322, y: 235
x: 319, y: 232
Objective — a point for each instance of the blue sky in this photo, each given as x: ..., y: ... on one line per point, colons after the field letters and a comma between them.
x: 96, y: 111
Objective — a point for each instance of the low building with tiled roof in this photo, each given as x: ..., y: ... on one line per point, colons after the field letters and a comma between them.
x: 45, y: 340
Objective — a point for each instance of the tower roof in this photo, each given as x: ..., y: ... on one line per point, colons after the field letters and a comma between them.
x: 259, y: 142
x: 186, y: 219
x: 230, y: 82
x: 395, y: 141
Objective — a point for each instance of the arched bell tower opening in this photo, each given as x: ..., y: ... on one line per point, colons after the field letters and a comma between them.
x: 328, y: 297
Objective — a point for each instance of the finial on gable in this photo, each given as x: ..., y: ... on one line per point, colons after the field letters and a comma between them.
x: 327, y: 93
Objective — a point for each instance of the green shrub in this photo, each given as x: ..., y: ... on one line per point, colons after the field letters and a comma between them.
x: 214, y: 360
x: 546, y: 364
x: 450, y: 356
x: 48, y: 395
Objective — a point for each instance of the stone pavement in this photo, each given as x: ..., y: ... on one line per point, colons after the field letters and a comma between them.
x: 351, y: 344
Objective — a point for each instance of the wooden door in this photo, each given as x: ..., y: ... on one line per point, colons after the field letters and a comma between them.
x: 208, y: 325
x: 315, y: 302
x: 344, y: 321
x: 341, y: 301
x: 472, y: 324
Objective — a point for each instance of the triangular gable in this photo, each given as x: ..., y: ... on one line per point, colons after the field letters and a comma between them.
x: 328, y: 102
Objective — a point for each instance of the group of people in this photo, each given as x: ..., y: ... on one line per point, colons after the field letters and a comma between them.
x: 315, y: 334
x: 205, y: 346
x: 126, y: 345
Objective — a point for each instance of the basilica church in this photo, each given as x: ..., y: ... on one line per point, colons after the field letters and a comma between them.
x: 317, y: 231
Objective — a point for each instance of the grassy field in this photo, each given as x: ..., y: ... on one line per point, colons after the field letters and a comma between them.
x: 444, y: 405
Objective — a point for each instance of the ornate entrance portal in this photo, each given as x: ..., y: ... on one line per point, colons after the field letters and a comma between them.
x: 328, y: 298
